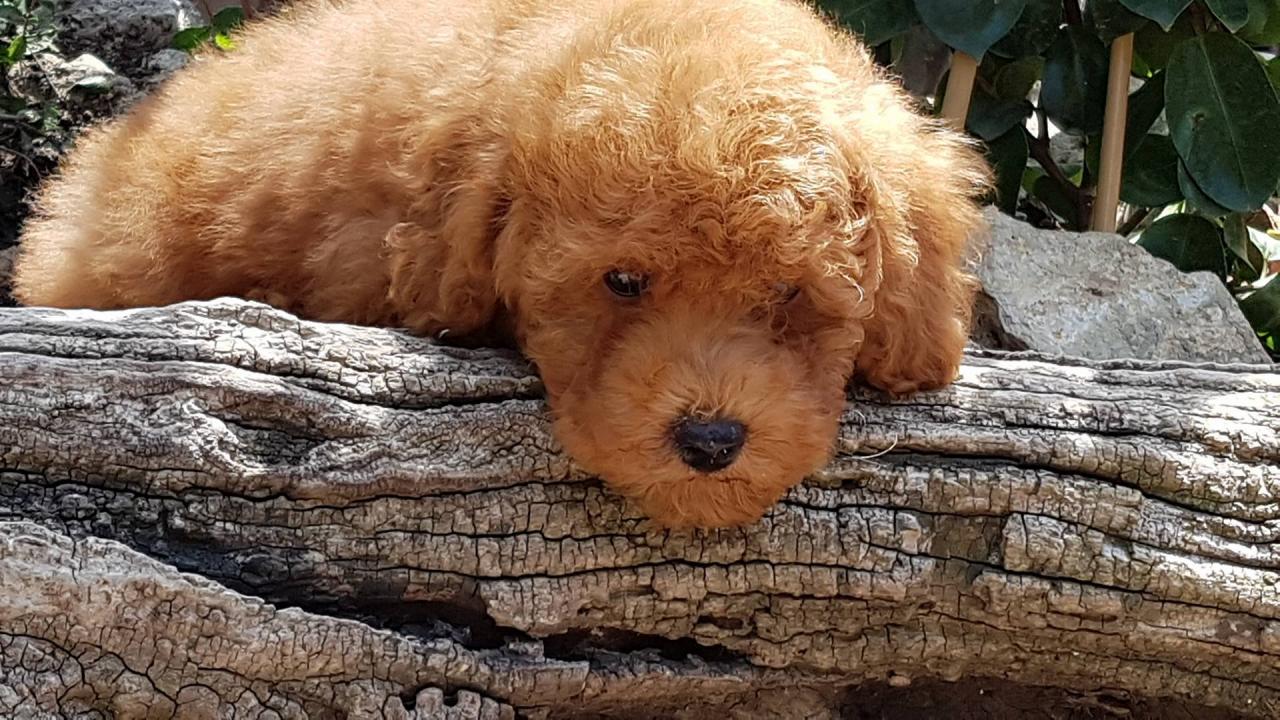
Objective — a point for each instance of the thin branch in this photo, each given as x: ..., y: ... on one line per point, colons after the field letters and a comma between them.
x: 23, y: 156
x: 1200, y: 20
x: 1039, y: 147
x: 1134, y: 219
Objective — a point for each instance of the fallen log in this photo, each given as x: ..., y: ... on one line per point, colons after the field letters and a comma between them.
x: 219, y: 510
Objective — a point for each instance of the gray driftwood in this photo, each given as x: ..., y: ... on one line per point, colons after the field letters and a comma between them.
x: 216, y: 510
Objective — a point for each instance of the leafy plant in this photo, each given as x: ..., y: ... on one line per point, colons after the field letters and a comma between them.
x: 32, y: 133
x: 217, y: 33
x: 1202, y: 136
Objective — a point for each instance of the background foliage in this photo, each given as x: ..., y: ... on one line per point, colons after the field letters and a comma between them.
x: 1202, y: 138
x: 32, y: 132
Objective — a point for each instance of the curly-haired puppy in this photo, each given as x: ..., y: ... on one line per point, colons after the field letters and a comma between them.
x: 699, y: 218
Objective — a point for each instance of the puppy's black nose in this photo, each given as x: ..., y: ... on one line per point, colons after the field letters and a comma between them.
x: 709, y: 445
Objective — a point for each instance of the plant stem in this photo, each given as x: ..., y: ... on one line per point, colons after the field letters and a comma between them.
x: 30, y: 163
x: 1039, y: 147
x: 1133, y: 220
x: 1199, y: 19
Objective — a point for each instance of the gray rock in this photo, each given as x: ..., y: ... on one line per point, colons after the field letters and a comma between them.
x: 85, y: 73
x: 7, y: 257
x: 124, y: 33
x: 164, y: 63
x: 84, y: 84
x: 1097, y: 296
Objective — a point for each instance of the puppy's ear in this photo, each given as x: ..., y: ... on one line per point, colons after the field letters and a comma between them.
x: 922, y: 308
x: 441, y: 271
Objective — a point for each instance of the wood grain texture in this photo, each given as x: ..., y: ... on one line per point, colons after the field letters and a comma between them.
x: 171, y: 479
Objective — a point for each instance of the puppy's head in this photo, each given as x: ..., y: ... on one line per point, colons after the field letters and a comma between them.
x: 698, y: 260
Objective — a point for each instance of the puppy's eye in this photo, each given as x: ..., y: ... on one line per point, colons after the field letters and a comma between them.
x: 785, y: 292
x: 626, y: 284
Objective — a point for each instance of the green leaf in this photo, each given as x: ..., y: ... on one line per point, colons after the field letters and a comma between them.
x: 1248, y: 259
x: 1008, y: 157
x: 1196, y: 198
x: 971, y: 26
x: 228, y: 19
x: 1263, y: 27
x: 10, y: 14
x: 1162, y: 11
x: 16, y: 50
x: 1150, y: 177
x: 1224, y: 119
x: 1074, y: 89
x: 1109, y: 19
x: 1262, y: 308
x: 1015, y: 80
x: 1145, y: 105
x: 1273, y: 72
x: 990, y: 117
x: 224, y: 41
x: 875, y: 21
x: 191, y: 38
x: 1034, y: 31
x: 1050, y: 194
x: 1191, y: 243
x: 1233, y: 13
x: 1154, y: 45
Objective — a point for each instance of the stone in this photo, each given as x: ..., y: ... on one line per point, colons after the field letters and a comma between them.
x: 164, y: 63
x: 124, y: 33
x: 1098, y: 296
x: 7, y: 257
x: 85, y: 73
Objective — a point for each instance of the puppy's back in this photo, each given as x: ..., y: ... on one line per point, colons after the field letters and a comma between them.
x: 272, y: 171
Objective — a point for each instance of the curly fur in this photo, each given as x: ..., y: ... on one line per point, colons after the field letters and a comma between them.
x: 477, y: 167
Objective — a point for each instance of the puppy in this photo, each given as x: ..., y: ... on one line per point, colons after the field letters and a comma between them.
x: 698, y: 218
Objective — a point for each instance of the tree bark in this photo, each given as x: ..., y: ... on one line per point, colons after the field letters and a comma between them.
x: 218, y: 510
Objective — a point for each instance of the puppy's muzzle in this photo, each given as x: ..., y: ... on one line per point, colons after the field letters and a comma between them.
x: 709, y: 445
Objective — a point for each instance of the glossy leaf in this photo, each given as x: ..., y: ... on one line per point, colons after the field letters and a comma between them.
x: 1050, y: 194
x: 1273, y: 72
x: 1162, y: 11
x: 1154, y: 44
x: 191, y: 38
x: 15, y: 51
x: 1015, y: 80
x: 228, y: 19
x: 1224, y: 119
x: 1263, y: 27
x: 990, y: 117
x: 1073, y: 91
x: 875, y: 21
x: 1262, y: 308
x: 1035, y: 30
x: 1109, y: 19
x: 1190, y: 242
x: 1145, y: 105
x: 1234, y: 14
x: 971, y: 26
x: 1150, y: 176
x: 1008, y: 156
x: 1248, y: 260
x: 1195, y: 196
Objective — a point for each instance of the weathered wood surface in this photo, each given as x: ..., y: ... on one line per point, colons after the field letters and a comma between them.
x: 1102, y: 533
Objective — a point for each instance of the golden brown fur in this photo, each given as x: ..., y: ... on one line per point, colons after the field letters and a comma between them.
x: 478, y: 167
